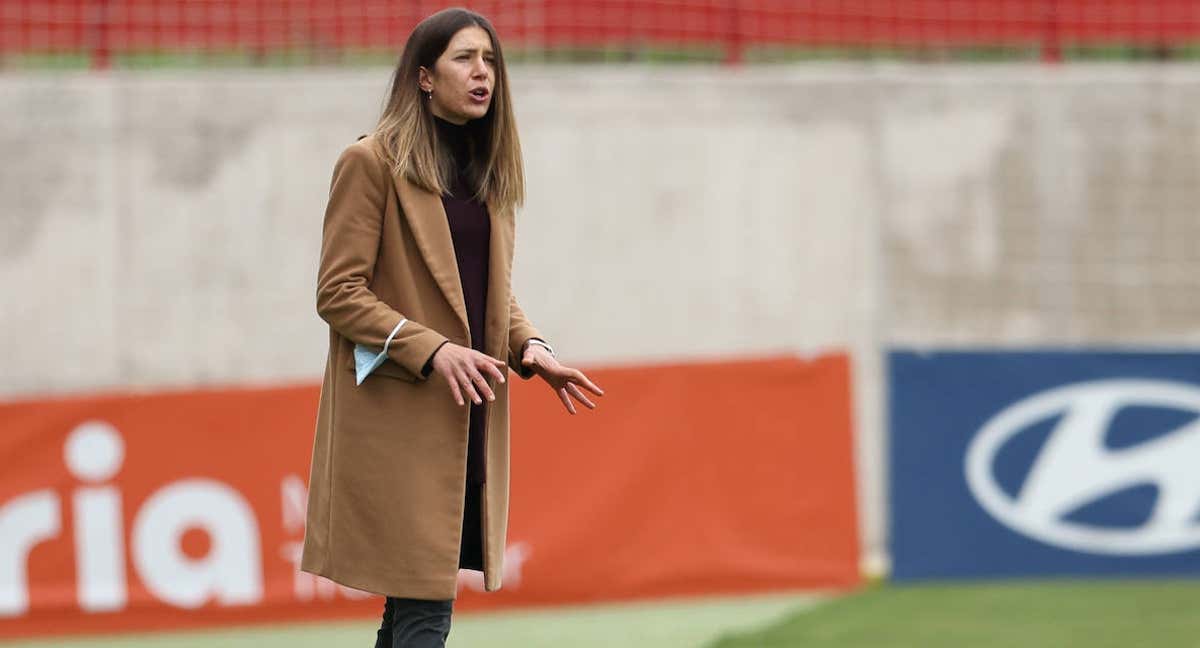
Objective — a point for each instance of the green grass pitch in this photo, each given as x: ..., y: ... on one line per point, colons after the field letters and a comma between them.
x: 1017, y: 614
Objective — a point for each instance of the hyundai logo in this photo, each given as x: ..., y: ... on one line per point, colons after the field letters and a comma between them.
x: 1074, y: 467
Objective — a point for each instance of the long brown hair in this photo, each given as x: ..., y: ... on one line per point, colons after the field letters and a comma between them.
x: 407, y: 132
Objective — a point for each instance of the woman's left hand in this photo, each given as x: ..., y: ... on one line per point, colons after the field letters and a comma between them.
x: 565, y: 381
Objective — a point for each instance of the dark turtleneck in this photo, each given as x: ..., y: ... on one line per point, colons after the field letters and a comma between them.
x: 470, y: 230
x: 456, y: 140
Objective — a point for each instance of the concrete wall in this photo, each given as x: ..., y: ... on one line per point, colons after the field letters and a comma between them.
x: 162, y: 230
x: 1057, y: 207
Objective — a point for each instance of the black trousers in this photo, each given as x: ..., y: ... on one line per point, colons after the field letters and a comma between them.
x: 414, y: 623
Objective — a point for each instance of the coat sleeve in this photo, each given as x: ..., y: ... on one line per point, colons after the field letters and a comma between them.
x: 349, y: 247
x: 520, y: 331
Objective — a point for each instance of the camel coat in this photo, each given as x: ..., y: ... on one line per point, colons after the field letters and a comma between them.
x: 386, y: 488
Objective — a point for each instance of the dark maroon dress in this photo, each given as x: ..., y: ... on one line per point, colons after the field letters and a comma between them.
x: 471, y: 230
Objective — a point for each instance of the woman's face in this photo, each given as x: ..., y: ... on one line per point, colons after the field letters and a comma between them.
x: 462, y: 78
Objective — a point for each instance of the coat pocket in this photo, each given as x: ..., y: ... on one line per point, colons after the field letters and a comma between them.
x: 388, y: 368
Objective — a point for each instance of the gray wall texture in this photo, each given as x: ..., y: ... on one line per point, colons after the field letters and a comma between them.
x: 162, y: 230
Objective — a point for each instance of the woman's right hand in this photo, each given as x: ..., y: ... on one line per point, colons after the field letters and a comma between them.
x: 464, y: 370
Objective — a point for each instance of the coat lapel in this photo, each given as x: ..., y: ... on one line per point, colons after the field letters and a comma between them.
x: 427, y: 219
x: 500, y: 252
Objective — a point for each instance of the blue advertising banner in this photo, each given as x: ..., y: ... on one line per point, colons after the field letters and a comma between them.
x: 1044, y: 463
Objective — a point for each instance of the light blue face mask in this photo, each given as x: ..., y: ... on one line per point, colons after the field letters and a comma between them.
x: 367, y: 359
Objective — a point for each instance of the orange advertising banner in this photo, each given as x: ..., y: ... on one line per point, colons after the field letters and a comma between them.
x: 186, y: 509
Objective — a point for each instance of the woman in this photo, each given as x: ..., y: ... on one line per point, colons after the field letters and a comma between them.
x: 409, y: 482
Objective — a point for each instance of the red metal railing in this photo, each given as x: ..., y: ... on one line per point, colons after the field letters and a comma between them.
x: 101, y: 28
